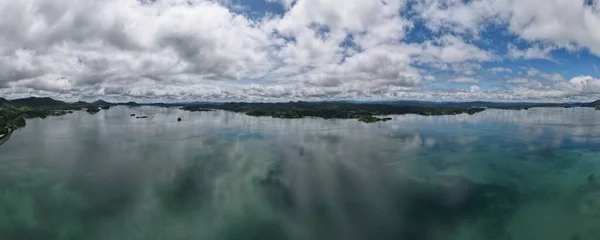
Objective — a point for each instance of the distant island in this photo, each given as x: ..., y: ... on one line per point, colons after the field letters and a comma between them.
x: 330, y: 110
x: 14, y: 112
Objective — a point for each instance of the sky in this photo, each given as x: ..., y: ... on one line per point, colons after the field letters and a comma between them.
x: 311, y: 50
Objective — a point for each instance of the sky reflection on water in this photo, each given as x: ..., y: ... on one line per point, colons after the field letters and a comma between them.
x: 531, y: 174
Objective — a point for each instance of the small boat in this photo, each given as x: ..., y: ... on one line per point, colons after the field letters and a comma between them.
x: 142, y: 117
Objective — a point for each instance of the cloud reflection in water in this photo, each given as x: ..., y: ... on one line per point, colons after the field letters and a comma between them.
x: 221, y: 175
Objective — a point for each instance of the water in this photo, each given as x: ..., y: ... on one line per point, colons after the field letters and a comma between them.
x: 498, y: 174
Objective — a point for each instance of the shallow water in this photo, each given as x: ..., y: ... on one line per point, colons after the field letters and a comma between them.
x: 499, y: 174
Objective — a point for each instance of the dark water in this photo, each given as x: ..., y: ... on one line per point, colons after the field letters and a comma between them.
x: 216, y: 175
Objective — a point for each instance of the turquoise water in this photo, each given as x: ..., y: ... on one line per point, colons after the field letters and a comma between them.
x: 499, y: 174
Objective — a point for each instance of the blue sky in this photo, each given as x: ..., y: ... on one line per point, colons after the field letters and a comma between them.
x: 281, y: 50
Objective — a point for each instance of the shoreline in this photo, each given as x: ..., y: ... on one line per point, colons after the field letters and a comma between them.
x: 6, y: 136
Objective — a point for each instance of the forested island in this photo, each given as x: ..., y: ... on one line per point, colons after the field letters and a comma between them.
x: 14, y: 112
x: 329, y: 110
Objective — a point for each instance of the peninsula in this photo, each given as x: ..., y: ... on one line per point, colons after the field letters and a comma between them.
x: 14, y: 112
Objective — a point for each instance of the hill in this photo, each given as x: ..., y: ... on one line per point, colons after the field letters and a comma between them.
x: 38, y: 102
x: 14, y: 112
x: 101, y: 102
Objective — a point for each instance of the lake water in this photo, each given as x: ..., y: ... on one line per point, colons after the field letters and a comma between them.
x: 499, y: 174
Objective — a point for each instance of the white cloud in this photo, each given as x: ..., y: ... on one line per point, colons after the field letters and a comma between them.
x: 500, y: 70
x: 429, y: 78
x: 580, y: 85
x: 465, y: 80
x: 451, y: 49
x: 194, y: 48
x: 533, y: 72
x: 556, y: 77
x: 533, y: 52
x: 565, y: 23
x: 528, y: 83
x: 317, y: 49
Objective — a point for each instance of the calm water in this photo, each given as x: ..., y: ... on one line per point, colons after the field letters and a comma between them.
x: 217, y: 175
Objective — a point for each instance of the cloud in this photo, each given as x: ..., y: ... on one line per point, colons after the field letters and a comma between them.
x: 451, y: 49
x: 316, y: 49
x: 474, y: 88
x: 115, y: 47
x: 567, y: 24
x: 533, y: 72
x: 429, y: 78
x: 62, y: 38
x: 534, y: 52
x: 465, y: 80
x: 500, y: 70
x: 528, y: 83
x: 581, y: 85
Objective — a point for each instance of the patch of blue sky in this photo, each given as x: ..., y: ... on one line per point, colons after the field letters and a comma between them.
x: 579, y: 63
x: 256, y: 9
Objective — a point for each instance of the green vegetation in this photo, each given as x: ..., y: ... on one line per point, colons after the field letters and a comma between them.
x: 92, y: 110
x: 329, y: 110
x: 193, y: 108
x: 12, y: 118
x: 14, y: 112
x: 371, y: 119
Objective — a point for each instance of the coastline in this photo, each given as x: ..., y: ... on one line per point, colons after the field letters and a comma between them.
x: 6, y: 136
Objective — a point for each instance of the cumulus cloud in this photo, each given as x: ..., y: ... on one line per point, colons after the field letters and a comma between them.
x: 534, y: 52
x: 581, y: 85
x: 316, y: 49
x: 465, y: 80
x: 565, y: 23
x: 533, y: 72
x: 500, y: 70
x: 451, y: 49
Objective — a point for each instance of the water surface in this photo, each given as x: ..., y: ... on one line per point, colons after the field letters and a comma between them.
x: 499, y: 174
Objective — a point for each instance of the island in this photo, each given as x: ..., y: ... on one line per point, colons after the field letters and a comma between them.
x: 364, y: 112
x: 13, y: 113
x: 93, y: 110
x: 371, y: 119
x: 195, y: 108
